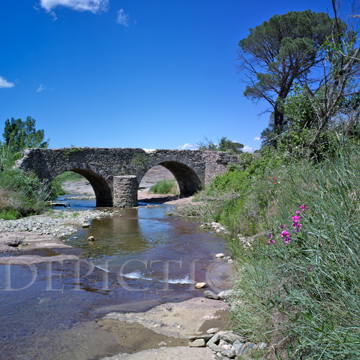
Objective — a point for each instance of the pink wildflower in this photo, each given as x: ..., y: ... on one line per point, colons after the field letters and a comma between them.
x: 296, y: 224
x: 302, y: 207
x: 286, y: 237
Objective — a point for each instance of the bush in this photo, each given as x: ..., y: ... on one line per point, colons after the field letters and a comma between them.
x: 165, y: 187
x: 9, y: 214
x: 22, y: 192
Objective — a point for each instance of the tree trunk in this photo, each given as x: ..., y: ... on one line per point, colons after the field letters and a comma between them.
x: 278, y: 116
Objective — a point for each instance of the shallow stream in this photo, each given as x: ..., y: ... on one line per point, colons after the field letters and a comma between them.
x: 140, y: 258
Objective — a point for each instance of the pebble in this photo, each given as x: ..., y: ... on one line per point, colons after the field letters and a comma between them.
x: 200, y: 285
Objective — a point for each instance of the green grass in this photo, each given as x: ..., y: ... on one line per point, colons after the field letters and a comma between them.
x: 10, y: 214
x: 303, y: 298
x: 165, y: 187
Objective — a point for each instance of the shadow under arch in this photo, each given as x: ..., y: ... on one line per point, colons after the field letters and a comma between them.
x: 101, y: 187
x: 187, y: 179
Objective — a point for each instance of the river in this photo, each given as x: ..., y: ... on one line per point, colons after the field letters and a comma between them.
x: 140, y: 258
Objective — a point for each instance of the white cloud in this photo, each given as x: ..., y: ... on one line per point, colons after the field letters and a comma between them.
x: 248, y: 149
x: 149, y: 150
x: 257, y: 138
x: 5, y: 84
x: 54, y: 17
x: 41, y: 88
x: 93, y: 6
x: 188, y: 146
x: 122, y: 18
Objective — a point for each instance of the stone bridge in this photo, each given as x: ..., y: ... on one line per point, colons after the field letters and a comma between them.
x: 115, y: 173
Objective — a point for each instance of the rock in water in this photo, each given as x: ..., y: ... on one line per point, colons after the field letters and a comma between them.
x: 90, y: 238
x: 200, y: 285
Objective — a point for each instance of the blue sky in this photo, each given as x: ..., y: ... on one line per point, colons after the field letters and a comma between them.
x: 132, y: 73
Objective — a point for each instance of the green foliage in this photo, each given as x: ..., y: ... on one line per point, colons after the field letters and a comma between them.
x: 280, y: 51
x: 139, y: 160
x: 9, y: 214
x: 225, y: 145
x: 22, y: 192
x: 72, y: 150
x: 304, y: 297
x: 294, y: 139
x: 55, y: 186
x: 245, y: 159
x: 19, y: 135
x: 165, y: 187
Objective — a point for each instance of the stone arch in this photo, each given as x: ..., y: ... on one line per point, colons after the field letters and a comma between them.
x: 187, y: 179
x: 98, y: 179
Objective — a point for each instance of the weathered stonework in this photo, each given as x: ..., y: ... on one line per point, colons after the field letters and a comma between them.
x: 193, y: 169
x: 125, y: 190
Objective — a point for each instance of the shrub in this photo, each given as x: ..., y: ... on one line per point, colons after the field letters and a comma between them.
x: 165, y: 187
x: 22, y: 192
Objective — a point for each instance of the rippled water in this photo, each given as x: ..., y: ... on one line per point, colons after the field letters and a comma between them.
x: 140, y: 258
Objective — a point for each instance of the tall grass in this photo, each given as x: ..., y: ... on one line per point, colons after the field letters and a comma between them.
x: 304, y: 297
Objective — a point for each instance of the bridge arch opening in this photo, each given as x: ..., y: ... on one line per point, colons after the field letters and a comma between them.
x: 101, y: 188
x: 186, y: 178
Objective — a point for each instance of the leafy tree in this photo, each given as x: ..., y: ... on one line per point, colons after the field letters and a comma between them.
x: 19, y: 135
x: 230, y: 146
x: 280, y: 51
x: 225, y: 145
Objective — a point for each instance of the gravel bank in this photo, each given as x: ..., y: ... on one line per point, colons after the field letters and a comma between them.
x: 59, y: 223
